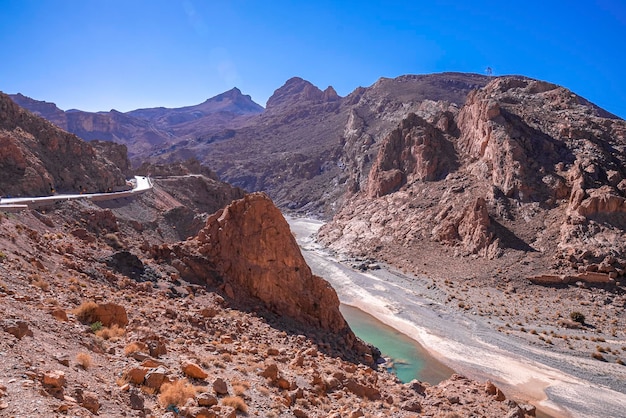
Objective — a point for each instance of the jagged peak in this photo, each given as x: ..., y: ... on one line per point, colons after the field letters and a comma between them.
x: 296, y: 90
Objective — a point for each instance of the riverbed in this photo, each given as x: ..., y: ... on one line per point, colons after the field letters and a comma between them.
x: 550, y: 381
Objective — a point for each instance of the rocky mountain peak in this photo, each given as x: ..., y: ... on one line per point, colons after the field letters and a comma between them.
x: 242, y: 103
x: 296, y: 90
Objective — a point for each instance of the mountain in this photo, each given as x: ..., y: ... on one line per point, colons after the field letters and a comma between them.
x: 138, y: 135
x: 524, y: 171
x: 145, y: 130
x: 146, y: 305
x: 37, y: 158
x: 299, y: 149
x: 232, y: 102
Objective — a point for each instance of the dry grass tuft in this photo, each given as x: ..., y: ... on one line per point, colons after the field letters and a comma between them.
x: 41, y: 283
x: 111, y: 333
x: 84, y: 360
x: 84, y: 312
x: 236, y: 402
x: 240, y: 388
x: 176, y: 393
x: 135, y: 347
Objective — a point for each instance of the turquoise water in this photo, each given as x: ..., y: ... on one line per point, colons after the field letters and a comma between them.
x: 410, y: 360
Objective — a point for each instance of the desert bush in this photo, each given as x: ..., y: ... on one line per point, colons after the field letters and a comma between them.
x: 135, y: 347
x: 176, y: 393
x: 40, y: 282
x: 236, y: 402
x: 112, y: 332
x: 577, y: 317
x: 240, y: 387
x: 598, y: 356
x: 84, y: 360
x: 84, y: 312
x: 96, y: 327
x: 114, y: 241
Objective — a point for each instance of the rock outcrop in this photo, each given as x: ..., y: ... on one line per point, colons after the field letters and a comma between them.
x: 416, y: 150
x: 249, y: 250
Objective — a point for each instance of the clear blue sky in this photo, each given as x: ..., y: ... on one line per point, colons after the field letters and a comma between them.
x: 126, y: 54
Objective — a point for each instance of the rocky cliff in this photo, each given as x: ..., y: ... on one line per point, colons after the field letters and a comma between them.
x: 247, y: 248
x: 37, y: 158
x: 523, y: 166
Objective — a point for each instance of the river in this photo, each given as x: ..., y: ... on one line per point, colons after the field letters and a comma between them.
x: 556, y: 384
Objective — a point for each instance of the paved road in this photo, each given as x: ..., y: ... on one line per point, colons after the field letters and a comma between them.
x: 13, y: 204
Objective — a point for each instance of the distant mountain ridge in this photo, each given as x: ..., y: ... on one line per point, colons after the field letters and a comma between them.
x: 231, y: 101
x: 144, y: 130
x: 298, y: 150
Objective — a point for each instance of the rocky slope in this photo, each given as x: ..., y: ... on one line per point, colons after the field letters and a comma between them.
x: 518, y: 195
x: 37, y: 158
x: 97, y: 318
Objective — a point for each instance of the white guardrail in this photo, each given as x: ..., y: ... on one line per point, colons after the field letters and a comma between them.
x: 15, y: 204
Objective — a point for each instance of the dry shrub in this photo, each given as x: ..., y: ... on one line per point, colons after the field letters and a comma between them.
x: 84, y: 360
x: 148, y: 390
x: 42, y: 284
x: 114, y: 241
x: 111, y: 333
x: 236, y: 402
x: 84, y: 312
x: 240, y: 386
x: 176, y: 393
x: 135, y: 347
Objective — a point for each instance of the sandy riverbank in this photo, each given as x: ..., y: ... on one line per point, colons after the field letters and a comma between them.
x: 558, y: 384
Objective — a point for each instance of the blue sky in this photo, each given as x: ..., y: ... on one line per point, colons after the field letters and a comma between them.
x: 125, y: 54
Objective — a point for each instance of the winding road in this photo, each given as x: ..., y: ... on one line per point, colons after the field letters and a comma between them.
x: 141, y: 184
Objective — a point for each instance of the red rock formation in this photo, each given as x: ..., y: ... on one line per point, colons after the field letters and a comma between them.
x: 252, y: 247
x: 248, y: 246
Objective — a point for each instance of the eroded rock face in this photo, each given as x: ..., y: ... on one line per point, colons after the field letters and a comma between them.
x: 523, y: 165
x: 252, y: 246
x: 416, y: 150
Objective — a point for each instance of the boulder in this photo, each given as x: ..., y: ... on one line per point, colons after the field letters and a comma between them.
x: 110, y: 314
x: 220, y: 387
x: 17, y: 328
x: 193, y: 370
x: 156, y: 377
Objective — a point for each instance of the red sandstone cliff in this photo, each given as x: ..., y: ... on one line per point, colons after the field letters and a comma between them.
x: 248, y: 248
